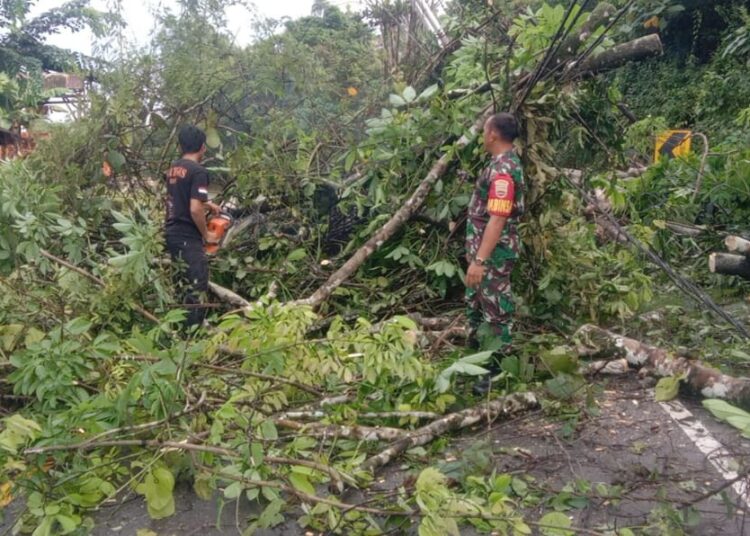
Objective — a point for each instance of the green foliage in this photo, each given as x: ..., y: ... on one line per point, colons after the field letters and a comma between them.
x: 469, y: 365
x: 724, y: 411
x: 17, y: 431
x: 157, y: 489
x: 668, y: 388
x: 298, y: 111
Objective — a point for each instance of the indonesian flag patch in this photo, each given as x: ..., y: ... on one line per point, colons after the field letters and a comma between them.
x: 501, y: 195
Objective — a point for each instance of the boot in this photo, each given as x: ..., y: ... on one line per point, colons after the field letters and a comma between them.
x: 485, y: 383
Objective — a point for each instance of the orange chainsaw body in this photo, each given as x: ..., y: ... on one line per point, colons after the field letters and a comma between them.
x: 218, y: 225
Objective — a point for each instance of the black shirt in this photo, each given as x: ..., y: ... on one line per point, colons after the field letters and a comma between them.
x: 186, y: 180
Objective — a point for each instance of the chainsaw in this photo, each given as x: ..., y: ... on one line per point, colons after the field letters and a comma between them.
x: 218, y: 225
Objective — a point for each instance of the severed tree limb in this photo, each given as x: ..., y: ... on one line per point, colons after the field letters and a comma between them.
x: 502, y: 407
x: 366, y: 433
x: 699, y: 377
x: 317, y: 414
x: 238, y: 301
x: 228, y: 296
x: 738, y: 245
x: 635, y: 50
x: 729, y: 264
x: 401, y: 216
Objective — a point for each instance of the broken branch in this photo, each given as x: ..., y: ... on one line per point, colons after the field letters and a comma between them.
x: 502, y: 407
x: 699, y: 377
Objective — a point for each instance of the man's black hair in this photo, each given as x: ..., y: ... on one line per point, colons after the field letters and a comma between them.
x: 191, y: 139
x: 505, y: 125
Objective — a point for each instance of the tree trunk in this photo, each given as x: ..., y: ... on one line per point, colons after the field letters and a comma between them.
x: 700, y: 378
x: 729, y: 264
x: 402, y: 215
x: 637, y: 49
x: 737, y: 244
x: 600, y: 16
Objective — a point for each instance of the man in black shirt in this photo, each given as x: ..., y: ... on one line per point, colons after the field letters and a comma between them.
x: 185, y: 229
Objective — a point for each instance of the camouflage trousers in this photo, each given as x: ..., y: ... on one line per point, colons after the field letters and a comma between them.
x: 490, y: 306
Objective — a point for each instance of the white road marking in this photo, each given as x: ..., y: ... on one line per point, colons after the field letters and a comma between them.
x: 715, y: 453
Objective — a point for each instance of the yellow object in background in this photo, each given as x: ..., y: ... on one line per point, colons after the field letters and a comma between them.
x: 653, y: 22
x: 672, y: 143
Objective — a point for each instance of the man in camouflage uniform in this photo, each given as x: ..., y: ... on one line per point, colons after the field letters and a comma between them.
x: 492, y: 242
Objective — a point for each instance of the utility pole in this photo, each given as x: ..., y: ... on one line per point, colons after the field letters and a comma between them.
x: 432, y: 22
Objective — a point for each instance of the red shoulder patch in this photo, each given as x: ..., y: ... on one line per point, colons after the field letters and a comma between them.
x: 501, y: 195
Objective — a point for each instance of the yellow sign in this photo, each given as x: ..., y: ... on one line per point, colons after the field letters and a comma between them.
x: 672, y: 143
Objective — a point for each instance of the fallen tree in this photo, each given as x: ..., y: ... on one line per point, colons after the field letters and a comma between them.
x: 596, y: 342
x: 399, y: 218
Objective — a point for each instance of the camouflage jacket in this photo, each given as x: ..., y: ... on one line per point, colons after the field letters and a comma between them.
x: 499, y: 190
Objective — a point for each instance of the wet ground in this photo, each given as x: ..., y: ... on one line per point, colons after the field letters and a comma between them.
x: 634, y: 456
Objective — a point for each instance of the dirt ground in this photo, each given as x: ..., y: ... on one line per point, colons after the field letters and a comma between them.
x: 633, y: 445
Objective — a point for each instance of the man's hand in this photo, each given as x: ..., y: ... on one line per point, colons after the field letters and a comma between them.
x: 213, y: 207
x: 474, y: 275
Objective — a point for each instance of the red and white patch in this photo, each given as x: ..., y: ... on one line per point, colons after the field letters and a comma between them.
x: 501, y: 195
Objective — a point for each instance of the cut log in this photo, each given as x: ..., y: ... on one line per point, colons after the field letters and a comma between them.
x: 737, y: 244
x: 502, y: 407
x: 729, y: 264
x: 635, y: 50
x: 593, y: 341
x: 401, y: 216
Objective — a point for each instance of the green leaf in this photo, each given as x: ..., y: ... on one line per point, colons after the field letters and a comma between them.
x: 429, y: 92
x: 296, y: 255
x: 157, y: 488
x: 202, y: 487
x: 557, y: 524
x: 351, y: 157
x: 466, y: 365
x: 116, y: 160
x: 560, y: 359
x: 68, y: 523
x: 301, y: 483
x: 409, y: 94
x: 724, y: 411
x: 213, y: 140
x: 396, y: 100
x: 78, y: 326
x: 667, y: 388
x: 233, y: 490
x: 18, y: 431
x: 268, y: 430
x: 9, y: 336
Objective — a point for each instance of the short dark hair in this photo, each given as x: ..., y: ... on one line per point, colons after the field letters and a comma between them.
x: 505, y: 125
x: 191, y: 139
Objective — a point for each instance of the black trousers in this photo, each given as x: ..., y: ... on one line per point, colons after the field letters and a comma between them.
x: 192, y: 279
